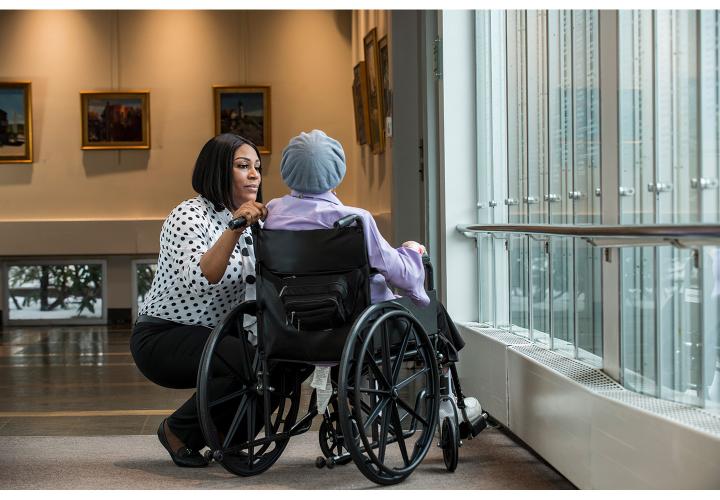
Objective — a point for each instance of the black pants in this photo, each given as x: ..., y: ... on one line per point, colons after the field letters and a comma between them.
x: 453, y: 340
x: 169, y: 354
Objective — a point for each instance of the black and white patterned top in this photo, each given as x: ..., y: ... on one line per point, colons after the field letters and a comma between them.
x: 179, y: 291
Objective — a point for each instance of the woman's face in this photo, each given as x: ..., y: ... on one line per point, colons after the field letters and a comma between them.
x: 246, y: 175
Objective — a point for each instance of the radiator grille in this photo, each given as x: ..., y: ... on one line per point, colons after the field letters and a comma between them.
x: 574, y: 370
x: 598, y: 382
x: 688, y: 415
x: 502, y: 336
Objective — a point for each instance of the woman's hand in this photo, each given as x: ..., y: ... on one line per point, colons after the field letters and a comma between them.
x: 252, y: 211
x: 414, y: 245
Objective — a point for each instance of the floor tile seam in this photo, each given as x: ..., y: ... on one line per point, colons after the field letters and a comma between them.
x: 139, y: 383
x: 85, y: 413
x: 64, y: 365
x: 65, y: 353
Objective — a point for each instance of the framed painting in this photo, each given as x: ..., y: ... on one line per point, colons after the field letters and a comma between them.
x: 16, y: 134
x: 360, y: 103
x: 384, y: 59
x: 115, y: 120
x: 374, y: 85
x: 244, y: 111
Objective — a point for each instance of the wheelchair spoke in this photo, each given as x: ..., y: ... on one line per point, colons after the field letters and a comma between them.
x: 397, y: 425
x: 411, y: 411
x: 401, y: 353
x: 251, y: 431
x: 376, y: 370
x: 232, y: 368
x: 373, y: 391
x: 374, y: 415
x: 412, y: 377
x: 385, y: 352
x: 382, y: 442
x: 236, y: 420
x: 228, y: 397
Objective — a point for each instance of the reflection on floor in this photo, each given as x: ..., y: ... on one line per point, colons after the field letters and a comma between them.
x: 82, y: 381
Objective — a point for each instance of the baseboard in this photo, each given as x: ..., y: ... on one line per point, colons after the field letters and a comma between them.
x: 119, y: 316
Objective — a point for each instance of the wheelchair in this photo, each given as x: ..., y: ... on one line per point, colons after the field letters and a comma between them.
x: 313, y: 308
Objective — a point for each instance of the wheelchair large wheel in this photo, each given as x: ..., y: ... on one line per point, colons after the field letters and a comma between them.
x: 388, y: 393
x: 231, y: 403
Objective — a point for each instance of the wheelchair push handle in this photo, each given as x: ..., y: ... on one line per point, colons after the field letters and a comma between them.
x: 237, y: 223
x: 429, y: 277
x: 347, y: 220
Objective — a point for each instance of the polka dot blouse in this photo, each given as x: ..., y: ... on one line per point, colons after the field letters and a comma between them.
x: 179, y: 290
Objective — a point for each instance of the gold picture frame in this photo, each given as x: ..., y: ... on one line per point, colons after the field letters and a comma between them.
x: 384, y: 59
x: 115, y: 119
x: 16, y: 132
x: 374, y: 85
x: 360, y: 103
x: 245, y: 111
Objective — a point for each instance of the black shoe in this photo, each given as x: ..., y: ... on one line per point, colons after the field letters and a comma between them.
x: 184, y: 457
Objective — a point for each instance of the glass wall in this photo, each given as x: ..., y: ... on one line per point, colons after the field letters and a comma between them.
x: 548, y: 155
x: 668, y: 175
x: 547, y: 62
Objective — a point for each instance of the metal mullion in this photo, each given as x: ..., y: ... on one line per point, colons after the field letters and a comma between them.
x: 526, y: 168
x: 572, y: 156
x: 656, y: 329
x: 547, y: 219
x: 507, y: 174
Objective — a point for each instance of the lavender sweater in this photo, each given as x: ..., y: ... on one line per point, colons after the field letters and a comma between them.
x: 401, y: 267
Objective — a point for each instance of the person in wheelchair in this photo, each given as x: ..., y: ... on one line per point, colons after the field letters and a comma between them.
x: 204, y: 271
x: 312, y: 166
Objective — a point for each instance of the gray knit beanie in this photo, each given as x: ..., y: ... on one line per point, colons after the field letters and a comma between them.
x: 313, y: 163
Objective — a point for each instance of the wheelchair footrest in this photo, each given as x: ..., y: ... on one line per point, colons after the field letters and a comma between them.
x: 469, y: 431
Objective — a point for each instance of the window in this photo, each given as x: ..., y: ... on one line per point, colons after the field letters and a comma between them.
x: 539, y: 162
x: 143, y: 273
x: 668, y: 175
x: 58, y: 292
x: 548, y: 63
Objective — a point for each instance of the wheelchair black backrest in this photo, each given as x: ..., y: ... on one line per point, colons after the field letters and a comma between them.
x: 311, y: 286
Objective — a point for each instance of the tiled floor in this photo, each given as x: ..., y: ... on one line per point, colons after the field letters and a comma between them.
x: 63, y: 381
x: 80, y: 381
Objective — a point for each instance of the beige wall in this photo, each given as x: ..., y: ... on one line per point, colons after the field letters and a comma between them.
x: 375, y: 189
x: 304, y: 55
x: 52, y: 207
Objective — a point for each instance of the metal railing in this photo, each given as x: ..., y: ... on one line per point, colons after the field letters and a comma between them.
x: 681, y: 236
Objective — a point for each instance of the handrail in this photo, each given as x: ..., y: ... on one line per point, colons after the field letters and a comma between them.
x: 684, y: 235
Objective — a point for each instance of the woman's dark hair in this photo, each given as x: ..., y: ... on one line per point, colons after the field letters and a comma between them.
x: 213, y: 174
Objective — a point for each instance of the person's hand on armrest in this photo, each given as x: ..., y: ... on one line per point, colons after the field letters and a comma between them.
x: 414, y: 245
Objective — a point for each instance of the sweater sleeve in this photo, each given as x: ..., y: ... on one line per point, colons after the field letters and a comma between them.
x: 401, y: 267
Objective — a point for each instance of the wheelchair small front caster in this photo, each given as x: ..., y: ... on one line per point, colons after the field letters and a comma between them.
x: 320, y: 462
x: 208, y: 455
x: 217, y: 455
x: 330, y: 463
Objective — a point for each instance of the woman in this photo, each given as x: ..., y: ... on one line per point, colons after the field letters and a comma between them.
x: 312, y: 166
x: 204, y: 271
